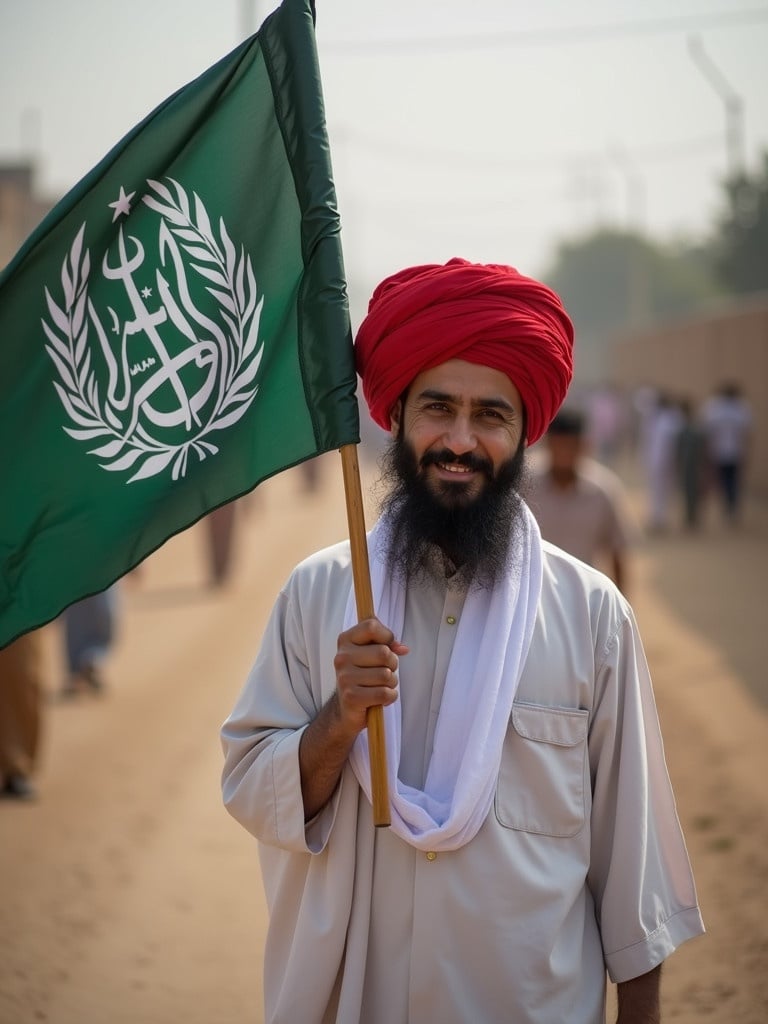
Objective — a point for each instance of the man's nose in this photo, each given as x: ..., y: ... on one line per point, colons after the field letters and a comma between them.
x: 460, y: 436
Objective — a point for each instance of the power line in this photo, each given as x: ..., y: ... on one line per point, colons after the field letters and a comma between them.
x: 395, y: 150
x: 416, y: 46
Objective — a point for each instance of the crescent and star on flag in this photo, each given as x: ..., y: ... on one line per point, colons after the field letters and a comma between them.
x: 122, y: 207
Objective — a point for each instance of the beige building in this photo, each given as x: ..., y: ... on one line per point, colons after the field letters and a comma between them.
x: 21, y: 209
x: 691, y: 357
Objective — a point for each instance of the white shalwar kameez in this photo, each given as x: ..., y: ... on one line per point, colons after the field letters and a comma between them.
x: 579, y: 868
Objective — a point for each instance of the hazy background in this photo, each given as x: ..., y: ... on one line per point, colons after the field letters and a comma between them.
x: 576, y: 140
x: 491, y: 129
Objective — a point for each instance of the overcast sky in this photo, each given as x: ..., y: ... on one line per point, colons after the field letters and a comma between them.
x: 488, y: 129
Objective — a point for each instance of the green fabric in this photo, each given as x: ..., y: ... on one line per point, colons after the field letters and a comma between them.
x: 164, y: 352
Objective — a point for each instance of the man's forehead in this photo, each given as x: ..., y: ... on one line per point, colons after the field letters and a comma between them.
x: 465, y: 382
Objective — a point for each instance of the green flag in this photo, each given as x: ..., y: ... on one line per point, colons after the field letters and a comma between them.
x: 176, y: 330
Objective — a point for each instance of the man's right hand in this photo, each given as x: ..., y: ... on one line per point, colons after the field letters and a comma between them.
x: 366, y: 665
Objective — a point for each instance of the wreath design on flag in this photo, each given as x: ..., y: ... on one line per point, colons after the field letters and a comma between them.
x: 231, y: 347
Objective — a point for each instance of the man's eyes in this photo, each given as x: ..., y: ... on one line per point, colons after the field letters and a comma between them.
x: 489, y: 413
x: 497, y: 415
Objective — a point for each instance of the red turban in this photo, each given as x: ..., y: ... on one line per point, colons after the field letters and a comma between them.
x: 483, y: 313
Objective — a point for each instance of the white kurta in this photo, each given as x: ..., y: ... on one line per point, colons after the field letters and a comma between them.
x: 579, y: 867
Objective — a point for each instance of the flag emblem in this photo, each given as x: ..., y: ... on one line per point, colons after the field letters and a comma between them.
x: 156, y: 351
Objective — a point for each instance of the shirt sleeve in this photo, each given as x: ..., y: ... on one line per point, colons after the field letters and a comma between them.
x: 261, y: 782
x: 640, y: 875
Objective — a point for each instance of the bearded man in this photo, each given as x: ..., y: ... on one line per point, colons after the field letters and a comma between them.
x: 534, y: 841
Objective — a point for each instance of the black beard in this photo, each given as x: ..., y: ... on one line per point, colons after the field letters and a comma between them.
x: 472, y: 532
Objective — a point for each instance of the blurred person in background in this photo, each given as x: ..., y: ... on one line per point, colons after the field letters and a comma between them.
x: 659, y: 457
x: 21, y: 710
x: 220, y: 534
x: 642, y: 403
x: 580, y: 505
x: 311, y: 475
x: 727, y: 420
x: 606, y: 422
x: 692, y: 464
x: 89, y: 634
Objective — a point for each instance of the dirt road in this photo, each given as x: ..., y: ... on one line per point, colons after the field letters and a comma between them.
x: 130, y: 897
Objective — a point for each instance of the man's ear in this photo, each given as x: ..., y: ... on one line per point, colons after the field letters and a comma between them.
x: 395, y: 417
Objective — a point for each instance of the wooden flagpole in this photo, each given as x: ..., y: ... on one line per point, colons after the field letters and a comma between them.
x: 361, y: 575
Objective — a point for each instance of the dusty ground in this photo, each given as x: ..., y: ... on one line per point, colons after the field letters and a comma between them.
x: 129, y: 896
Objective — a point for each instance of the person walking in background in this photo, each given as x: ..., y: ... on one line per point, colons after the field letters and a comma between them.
x: 659, y: 458
x: 579, y: 504
x: 89, y: 634
x: 220, y: 534
x: 21, y: 712
x: 642, y: 404
x: 311, y: 475
x: 691, y: 460
x: 606, y: 422
x: 534, y: 841
x: 727, y: 419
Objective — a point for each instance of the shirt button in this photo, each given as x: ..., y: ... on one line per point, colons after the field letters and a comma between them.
x: 451, y: 620
x: 431, y: 855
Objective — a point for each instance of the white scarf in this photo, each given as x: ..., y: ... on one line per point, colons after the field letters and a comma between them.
x: 489, y: 652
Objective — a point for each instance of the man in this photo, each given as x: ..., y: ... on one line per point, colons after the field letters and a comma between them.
x: 692, y: 463
x: 21, y: 714
x: 727, y: 421
x: 579, y: 504
x: 534, y: 839
x: 89, y: 635
x: 660, y: 452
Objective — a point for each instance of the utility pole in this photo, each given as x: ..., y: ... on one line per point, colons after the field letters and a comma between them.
x: 247, y: 18
x: 734, y: 105
x: 587, y: 187
x: 638, y: 284
x: 634, y: 181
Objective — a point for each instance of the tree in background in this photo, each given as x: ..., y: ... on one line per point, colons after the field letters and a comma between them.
x: 613, y: 281
x: 740, y: 245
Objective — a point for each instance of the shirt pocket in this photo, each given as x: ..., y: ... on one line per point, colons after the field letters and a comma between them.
x: 543, y: 776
